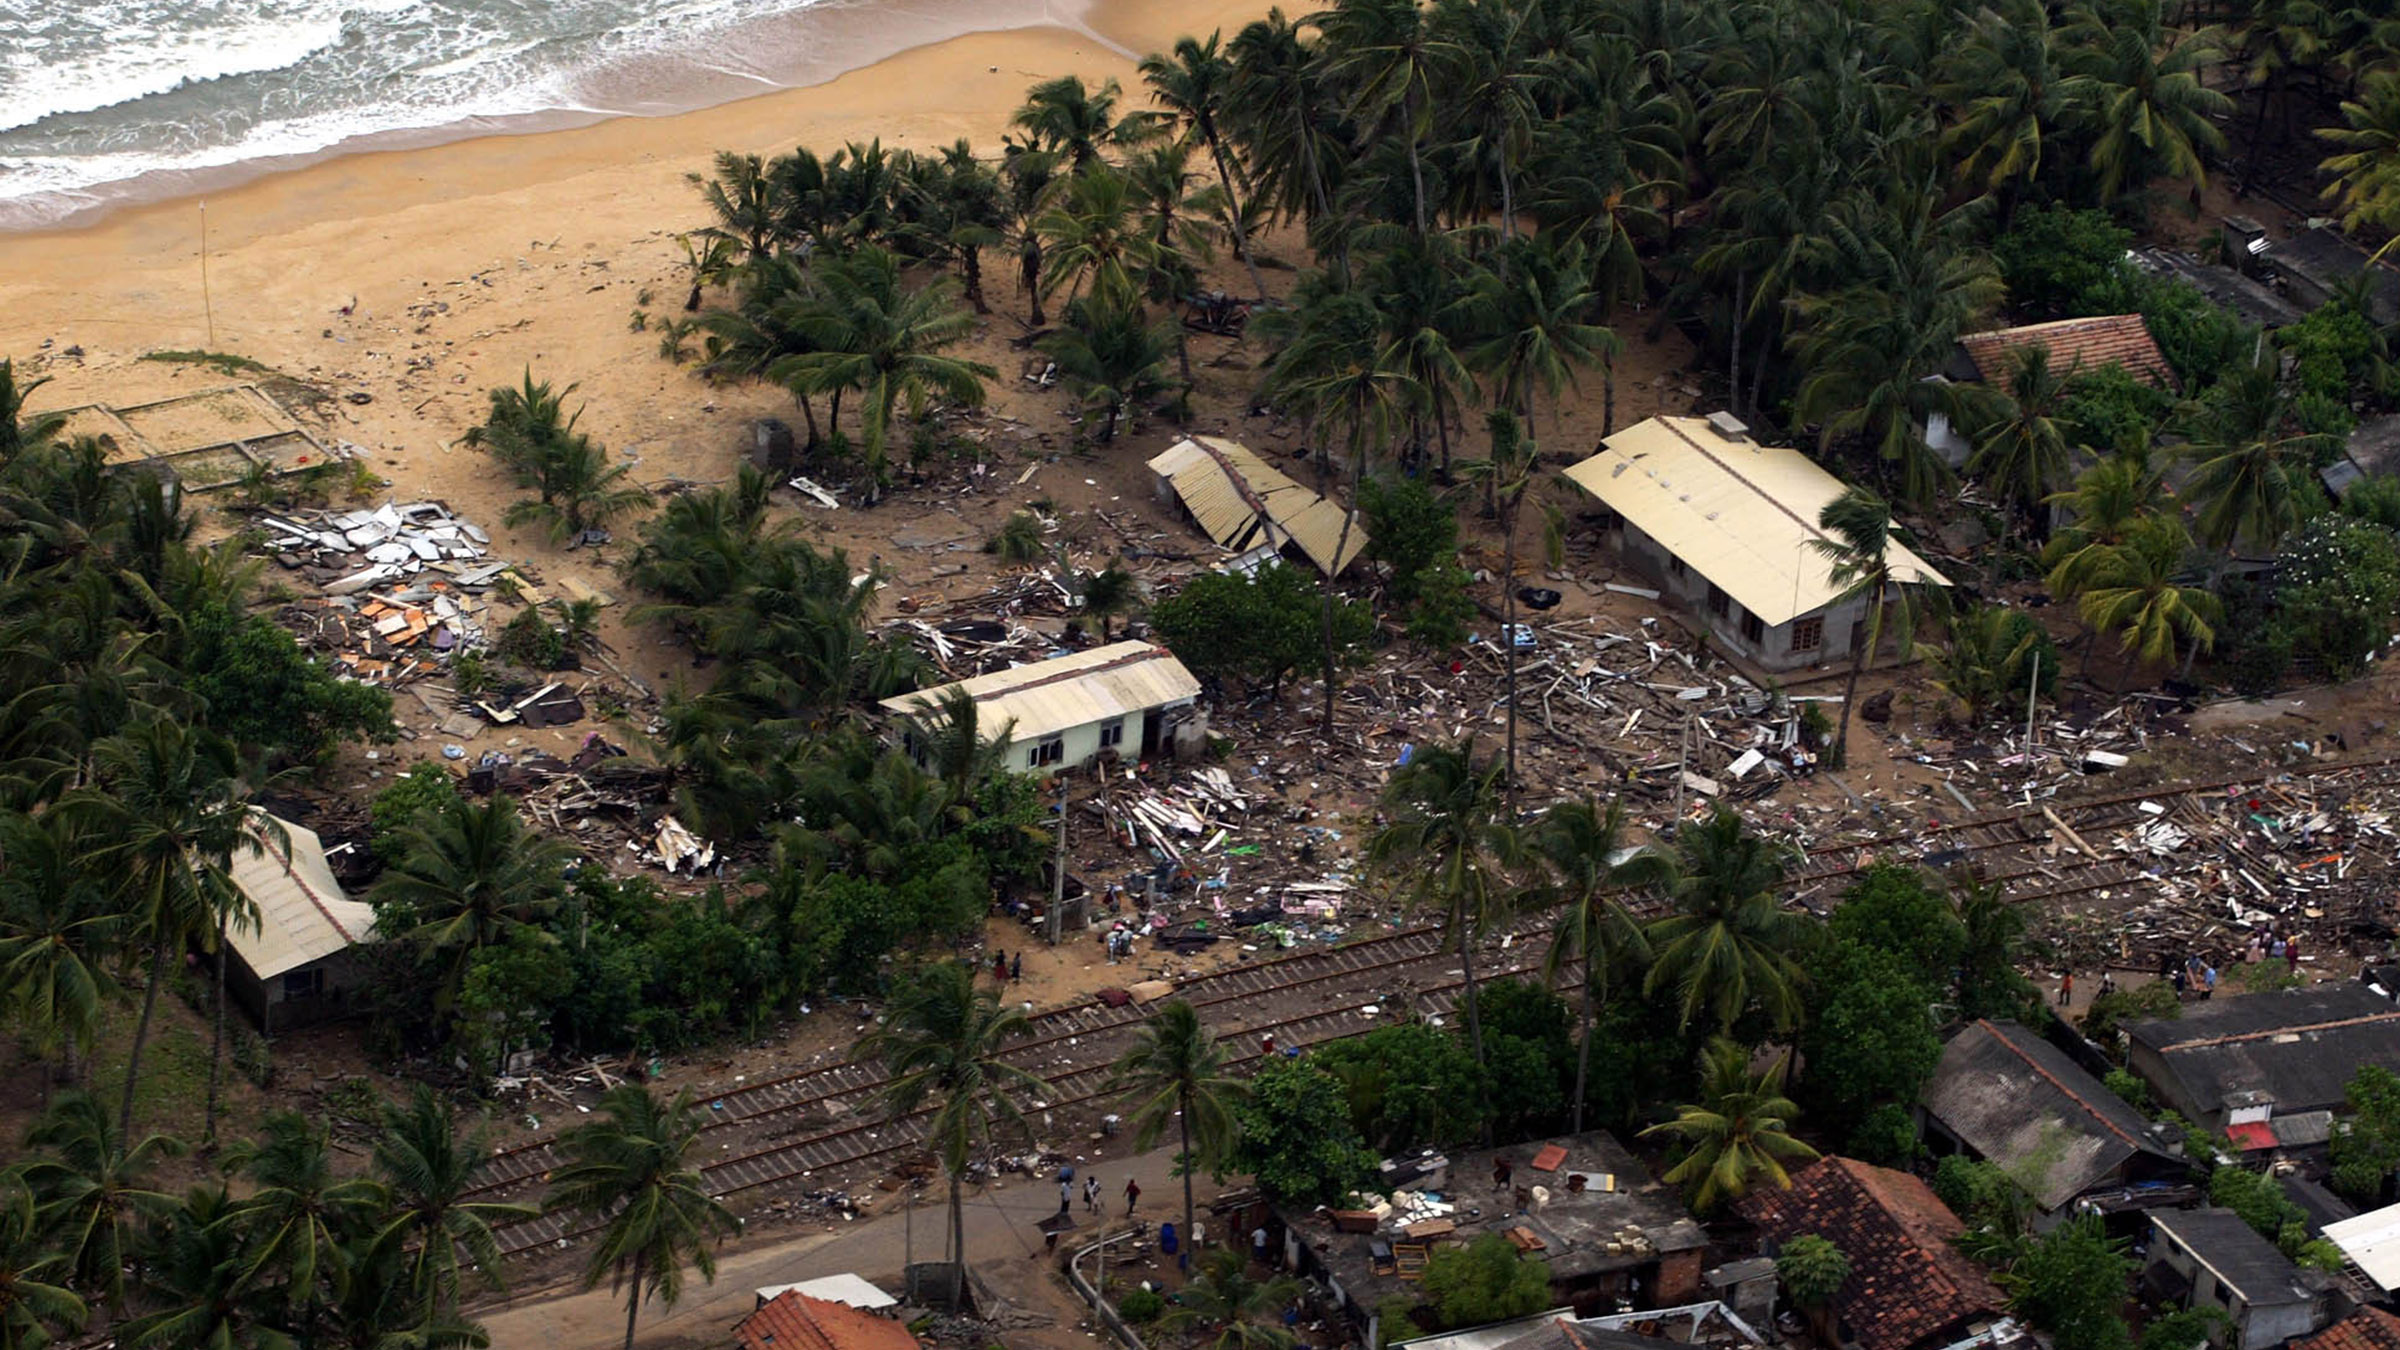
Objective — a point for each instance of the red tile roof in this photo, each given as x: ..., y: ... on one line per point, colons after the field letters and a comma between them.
x: 2075, y: 344
x: 2251, y: 1134
x: 2366, y: 1329
x: 1908, y: 1286
x: 794, y: 1321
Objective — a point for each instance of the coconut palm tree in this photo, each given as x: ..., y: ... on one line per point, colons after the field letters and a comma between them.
x: 2105, y: 502
x: 2137, y: 88
x: 2137, y: 593
x: 2020, y: 450
x: 742, y: 196
x: 1028, y: 176
x: 1093, y: 234
x: 884, y: 341
x: 580, y: 488
x: 1738, y: 1135
x: 2255, y: 478
x: 941, y: 1039
x: 32, y: 1309
x: 1195, y: 84
x: 1242, y: 1312
x: 90, y: 1190
x: 2004, y: 83
x: 1112, y: 357
x: 1389, y: 58
x: 1984, y: 659
x: 1533, y: 306
x: 2365, y: 184
x: 955, y: 210
x: 1583, y: 846
x: 301, y: 1216
x: 631, y: 1168
x: 167, y: 806
x: 1283, y: 118
x: 1450, y: 848
x: 60, y: 936
x: 1727, y: 945
x: 1068, y: 117
x: 950, y: 740
x: 1109, y: 592
x: 1489, y: 112
x: 429, y: 1169
x: 195, y: 1285
x: 470, y: 875
x: 1857, y: 544
x: 20, y: 431
x: 1175, y: 1070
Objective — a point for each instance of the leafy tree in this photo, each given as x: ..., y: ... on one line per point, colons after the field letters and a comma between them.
x: 1892, y: 908
x: 1296, y: 1137
x: 2184, y: 1328
x: 1983, y: 1195
x: 1485, y: 1281
x: 424, y: 789
x: 2340, y: 588
x: 1410, y: 530
x: 260, y: 690
x: 2070, y: 1282
x: 1728, y: 945
x: 1175, y: 1068
x: 1258, y: 628
x: 1886, y: 1136
x: 1812, y: 1270
x: 1738, y: 1135
x: 429, y: 1169
x: 942, y: 1038
x: 631, y: 1169
x: 2376, y: 499
x: 2111, y: 410
x: 2063, y: 262
x: 1454, y: 851
x: 1872, y: 1037
x: 2104, y: 1019
x: 2261, y: 1202
x: 2130, y: 1089
x: 1409, y: 1086
x: 2366, y: 1142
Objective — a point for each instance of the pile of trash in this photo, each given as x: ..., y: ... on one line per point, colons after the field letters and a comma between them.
x: 345, y: 552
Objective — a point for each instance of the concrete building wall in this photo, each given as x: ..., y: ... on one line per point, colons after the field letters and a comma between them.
x: 1837, y: 626
x: 2254, y: 1327
x: 1136, y: 735
x: 317, y: 992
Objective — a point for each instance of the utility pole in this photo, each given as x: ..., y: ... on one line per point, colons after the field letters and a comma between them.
x: 1058, y: 881
x: 2033, y: 686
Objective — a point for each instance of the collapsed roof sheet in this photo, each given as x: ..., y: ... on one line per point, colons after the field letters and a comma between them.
x: 302, y: 913
x: 1241, y: 501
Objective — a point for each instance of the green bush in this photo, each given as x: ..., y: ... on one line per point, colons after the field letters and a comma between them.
x: 530, y: 641
x: 1887, y: 1137
x: 1140, y: 1306
x: 1296, y: 1137
x: 2129, y: 1089
x: 2063, y: 263
x: 1486, y: 1281
x: 425, y: 787
x: 259, y: 690
x: 1258, y: 628
x: 2376, y: 499
x: 2108, y: 409
x: 2340, y: 588
x: 2199, y: 337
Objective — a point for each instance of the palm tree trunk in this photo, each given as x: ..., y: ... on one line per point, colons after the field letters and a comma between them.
x: 1508, y: 201
x: 1241, y: 238
x: 1508, y: 629
x: 1416, y: 166
x: 808, y: 414
x: 1183, y: 1111
x: 1583, y: 1044
x: 141, y: 1034
x: 216, y: 1043
x: 1466, y: 969
x: 1441, y: 429
x: 958, y: 1240
x: 970, y: 271
x: 633, y: 1300
x: 1758, y: 368
x: 1733, y: 360
x: 1608, y: 396
x: 1858, y: 667
x: 1341, y: 542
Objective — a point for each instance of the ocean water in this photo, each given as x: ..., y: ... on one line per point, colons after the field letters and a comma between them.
x: 103, y: 101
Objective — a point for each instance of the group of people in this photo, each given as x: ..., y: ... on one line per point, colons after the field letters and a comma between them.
x: 2197, y: 974
x: 1092, y: 1201
x: 1006, y: 967
x: 1119, y: 941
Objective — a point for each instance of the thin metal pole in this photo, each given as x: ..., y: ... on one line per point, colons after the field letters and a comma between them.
x: 2033, y: 686
x: 208, y: 305
x: 1058, y: 883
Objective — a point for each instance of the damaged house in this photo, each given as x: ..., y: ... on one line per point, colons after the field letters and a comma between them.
x: 1727, y: 527
x: 2266, y: 1069
x: 1128, y: 699
x: 1248, y: 506
x: 296, y: 967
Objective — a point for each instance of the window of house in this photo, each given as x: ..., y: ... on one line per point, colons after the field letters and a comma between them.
x: 1719, y: 603
x: 1675, y: 566
x: 1112, y: 734
x: 1754, y: 629
x: 304, y: 983
x: 1808, y: 635
x: 1049, y: 750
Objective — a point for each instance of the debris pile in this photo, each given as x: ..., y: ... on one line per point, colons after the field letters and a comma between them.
x: 345, y: 552
x: 390, y: 637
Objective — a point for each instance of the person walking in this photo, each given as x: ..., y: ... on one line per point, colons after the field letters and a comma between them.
x: 1133, y: 1193
x: 1091, y: 1195
x: 999, y: 965
x: 1016, y: 966
x: 2066, y: 988
x: 1066, y: 1196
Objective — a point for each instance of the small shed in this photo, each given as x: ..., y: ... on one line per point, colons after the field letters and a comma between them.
x: 2215, y: 1259
x: 296, y: 967
x: 1729, y: 527
x: 1127, y: 698
x: 1242, y: 502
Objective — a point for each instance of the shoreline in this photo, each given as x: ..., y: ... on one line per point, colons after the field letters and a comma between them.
x: 802, y: 49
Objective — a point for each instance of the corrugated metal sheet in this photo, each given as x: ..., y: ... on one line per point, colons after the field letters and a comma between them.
x: 1219, y: 480
x: 2372, y: 1242
x: 1740, y: 514
x: 1048, y: 697
x: 302, y: 913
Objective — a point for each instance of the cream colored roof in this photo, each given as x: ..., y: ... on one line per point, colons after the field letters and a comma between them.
x: 302, y: 913
x: 1739, y: 513
x: 1219, y: 480
x: 1048, y: 697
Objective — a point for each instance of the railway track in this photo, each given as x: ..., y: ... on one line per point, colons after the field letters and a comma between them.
x: 824, y: 1126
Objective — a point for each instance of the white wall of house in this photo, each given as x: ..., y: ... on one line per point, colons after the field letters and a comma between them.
x: 1820, y: 637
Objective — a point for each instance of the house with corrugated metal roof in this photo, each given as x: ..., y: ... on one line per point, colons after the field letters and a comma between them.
x: 1245, y: 504
x: 297, y: 966
x: 1726, y: 527
x: 1129, y: 698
